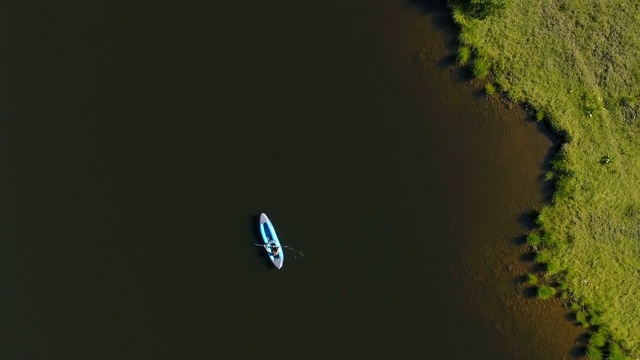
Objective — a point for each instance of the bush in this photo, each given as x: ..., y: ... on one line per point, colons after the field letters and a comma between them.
x: 532, y: 279
x: 540, y: 116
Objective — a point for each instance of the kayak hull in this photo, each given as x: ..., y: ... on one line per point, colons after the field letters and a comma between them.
x: 269, y: 236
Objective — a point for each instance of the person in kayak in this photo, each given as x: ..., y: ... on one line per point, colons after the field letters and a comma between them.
x: 275, y: 249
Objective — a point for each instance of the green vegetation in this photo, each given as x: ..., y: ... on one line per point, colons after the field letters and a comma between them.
x: 598, y: 339
x: 532, y: 279
x: 481, y: 67
x: 545, y: 292
x: 582, y: 318
x: 553, y: 267
x: 464, y: 54
x: 594, y: 353
x: 578, y: 64
x: 490, y: 89
x: 534, y: 239
x: 615, y: 353
x: 542, y: 257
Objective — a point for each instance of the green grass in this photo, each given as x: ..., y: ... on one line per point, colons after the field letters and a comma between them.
x: 546, y: 292
x: 490, y: 89
x: 615, y: 353
x: 534, y: 239
x: 594, y: 353
x: 464, y: 55
x: 542, y: 257
x: 532, y: 279
x: 598, y: 339
x: 582, y: 318
x: 578, y: 64
x: 481, y: 67
x: 553, y: 267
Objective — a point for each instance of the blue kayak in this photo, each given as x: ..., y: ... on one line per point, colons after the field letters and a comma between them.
x: 271, y: 242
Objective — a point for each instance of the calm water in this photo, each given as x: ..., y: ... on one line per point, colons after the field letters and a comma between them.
x: 141, y: 139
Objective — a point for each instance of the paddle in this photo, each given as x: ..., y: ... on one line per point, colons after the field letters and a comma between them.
x: 297, y: 256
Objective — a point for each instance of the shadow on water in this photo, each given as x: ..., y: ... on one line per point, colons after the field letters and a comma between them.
x: 438, y: 11
x: 527, y: 256
x: 579, y: 351
x: 530, y: 292
x: 440, y: 16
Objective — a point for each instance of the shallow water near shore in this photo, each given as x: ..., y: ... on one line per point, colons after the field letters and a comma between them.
x: 148, y: 136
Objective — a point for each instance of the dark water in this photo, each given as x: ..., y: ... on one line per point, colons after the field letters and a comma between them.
x: 141, y: 139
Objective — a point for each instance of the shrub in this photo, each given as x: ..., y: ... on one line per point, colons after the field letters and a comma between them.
x: 532, y: 279
x: 540, y: 116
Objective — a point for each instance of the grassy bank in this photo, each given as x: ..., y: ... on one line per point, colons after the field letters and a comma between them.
x: 578, y: 64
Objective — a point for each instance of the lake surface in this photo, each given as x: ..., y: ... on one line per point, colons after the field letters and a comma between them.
x: 141, y: 140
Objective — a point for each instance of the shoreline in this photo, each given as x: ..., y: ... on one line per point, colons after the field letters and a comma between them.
x: 507, y: 172
x: 591, y: 104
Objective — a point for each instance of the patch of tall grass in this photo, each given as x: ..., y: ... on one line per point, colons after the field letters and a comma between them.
x: 481, y: 67
x: 490, y: 89
x: 545, y: 292
x: 594, y: 353
x: 534, y: 239
x: 615, y: 353
x: 464, y: 55
x: 578, y: 64
x: 532, y: 279
x: 598, y: 339
x: 542, y: 257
